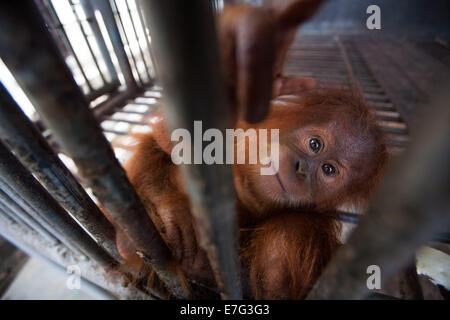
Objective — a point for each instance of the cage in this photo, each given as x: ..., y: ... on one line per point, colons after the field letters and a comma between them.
x: 80, y: 79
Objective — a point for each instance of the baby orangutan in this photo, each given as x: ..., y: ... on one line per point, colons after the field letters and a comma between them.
x: 330, y: 153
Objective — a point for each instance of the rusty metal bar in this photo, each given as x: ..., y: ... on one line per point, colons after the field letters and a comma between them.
x: 108, y: 17
x: 64, y: 110
x: 58, y: 255
x: 90, y: 17
x: 34, y: 152
x: 411, y: 207
x: 61, y: 225
x: 66, y: 39
x: 187, y: 57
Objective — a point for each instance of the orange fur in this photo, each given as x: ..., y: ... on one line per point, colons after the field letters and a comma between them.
x: 285, y: 241
x: 285, y: 245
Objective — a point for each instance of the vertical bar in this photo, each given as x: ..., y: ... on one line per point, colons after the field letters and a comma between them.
x: 34, y: 152
x: 91, y: 51
x: 351, y: 74
x: 64, y: 110
x: 34, y: 213
x: 187, y: 56
x: 108, y: 17
x: 410, y: 208
x: 58, y: 255
x: 65, y: 229
x: 147, y: 41
x: 68, y: 44
x: 90, y: 16
x: 8, y: 216
x: 138, y: 42
x: 127, y: 41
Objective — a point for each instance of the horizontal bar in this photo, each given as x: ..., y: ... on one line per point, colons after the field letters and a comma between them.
x: 107, y: 88
x: 115, y: 102
x: 34, y: 152
x: 64, y: 110
x: 119, y: 133
x: 187, y: 58
x: 410, y: 208
x: 140, y: 123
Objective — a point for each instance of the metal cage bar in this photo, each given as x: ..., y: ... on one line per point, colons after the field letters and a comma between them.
x: 91, y: 50
x: 31, y: 148
x: 91, y: 19
x: 127, y: 40
x: 48, y: 11
x: 133, y: 23
x: 410, y: 208
x: 64, y: 110
x: 17, y: 213
x: 185, y: 31
x: 63, y: 227
x: 56, y: 22
x: 147, y: 36
x: 108, y: 17
x: 182, y: 31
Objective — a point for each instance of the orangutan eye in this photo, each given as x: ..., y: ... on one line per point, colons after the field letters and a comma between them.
x: 329, y: 170
x: 315, y: 145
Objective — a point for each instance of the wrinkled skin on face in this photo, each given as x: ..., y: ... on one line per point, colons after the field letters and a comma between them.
x: 329, y: 152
